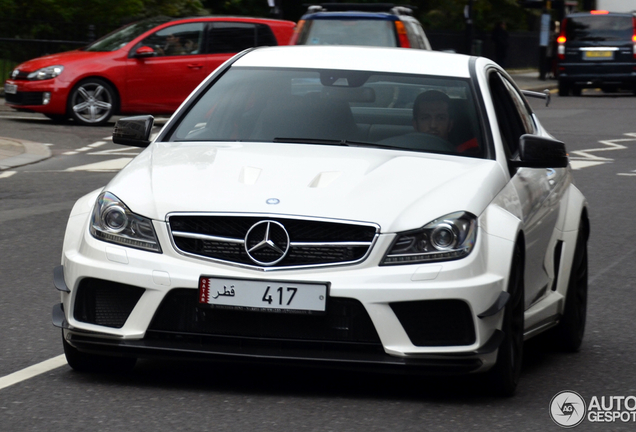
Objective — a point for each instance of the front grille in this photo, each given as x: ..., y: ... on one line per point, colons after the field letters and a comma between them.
x: 105, y: 303
x: 345, y: 321
x: 24, y: 98
x: 310, y: 242
x: 436, y: 322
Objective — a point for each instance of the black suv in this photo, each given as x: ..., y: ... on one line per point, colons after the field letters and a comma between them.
x: 373, y: 24
x: 597, y: 49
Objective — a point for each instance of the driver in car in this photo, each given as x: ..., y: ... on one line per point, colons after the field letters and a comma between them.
x: 432, y: 114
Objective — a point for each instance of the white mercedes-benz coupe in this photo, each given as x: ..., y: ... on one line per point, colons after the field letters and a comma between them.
x: 333, y: 206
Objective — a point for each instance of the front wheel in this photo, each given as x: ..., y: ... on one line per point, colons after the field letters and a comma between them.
x: 92, y: 102
x: 83, y: 362
x: 504, y: 376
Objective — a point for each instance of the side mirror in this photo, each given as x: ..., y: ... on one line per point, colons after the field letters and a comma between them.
x: 133, y: 131
x: 541, y: 152
x: 145, y: 51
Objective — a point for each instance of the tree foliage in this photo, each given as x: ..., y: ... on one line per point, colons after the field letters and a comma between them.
x: 43, y: 15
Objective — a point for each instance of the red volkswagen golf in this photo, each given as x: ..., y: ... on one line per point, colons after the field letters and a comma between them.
x: 146, y: 67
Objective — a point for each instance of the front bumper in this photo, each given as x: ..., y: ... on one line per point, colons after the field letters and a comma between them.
x: 30, y: 96
x: 598, y: 74
x: 387, y: 336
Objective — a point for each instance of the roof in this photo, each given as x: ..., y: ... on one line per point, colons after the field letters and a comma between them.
x: 391, y: 60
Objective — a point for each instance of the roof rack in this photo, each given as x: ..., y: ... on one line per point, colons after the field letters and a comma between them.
x: 362, y: 7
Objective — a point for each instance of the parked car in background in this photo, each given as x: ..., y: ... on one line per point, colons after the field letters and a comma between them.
x: 380, y: 24
x: 349, y: 206
x: 147, y: 67
x: 596, y: 49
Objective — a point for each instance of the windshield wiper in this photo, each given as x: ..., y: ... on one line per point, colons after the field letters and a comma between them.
x: 344, y: 143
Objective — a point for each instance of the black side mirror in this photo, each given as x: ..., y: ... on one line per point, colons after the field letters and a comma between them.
x: 541, y: 152
x: 133, y: 131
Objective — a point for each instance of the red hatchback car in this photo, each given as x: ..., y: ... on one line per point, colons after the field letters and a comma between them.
x: 147, y: 67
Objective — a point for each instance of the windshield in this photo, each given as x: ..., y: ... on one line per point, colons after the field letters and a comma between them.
x: 119, y: 38
x: 599, y: 28
x: 348, y: 32
x: 338, y: 107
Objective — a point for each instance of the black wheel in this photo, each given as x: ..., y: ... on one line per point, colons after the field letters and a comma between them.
x: 576, y: 91
x: 564, y: 88
x: 92, y: 102
x: 504, y: 376
x: 83, y: 362
x: 568, y: 334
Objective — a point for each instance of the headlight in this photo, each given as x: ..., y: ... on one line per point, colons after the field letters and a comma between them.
x: 447, y: 238
x: 112, y: 222
x: 46, y: 73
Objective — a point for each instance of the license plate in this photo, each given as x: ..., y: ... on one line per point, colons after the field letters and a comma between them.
x: 263, y: 295
x: 10, y: 88
x: 598, y: 54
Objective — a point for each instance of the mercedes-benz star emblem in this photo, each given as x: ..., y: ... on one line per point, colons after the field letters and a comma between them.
x: 267, y: 242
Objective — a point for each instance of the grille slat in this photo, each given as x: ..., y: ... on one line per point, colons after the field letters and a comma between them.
x: 345, y: 321
x: 311, y: 242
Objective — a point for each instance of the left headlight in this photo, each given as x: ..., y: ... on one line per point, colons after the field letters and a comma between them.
x: 113, y: 222
x: 447, y: 238
x: 46, y: 73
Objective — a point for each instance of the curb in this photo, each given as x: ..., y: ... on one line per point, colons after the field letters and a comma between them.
x: 29, y: 152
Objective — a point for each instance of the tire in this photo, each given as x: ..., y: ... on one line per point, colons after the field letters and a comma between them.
x: 83, y: 362
x: 576, y: 91
x: 568, y: 334
x: 92, y: 102
x: 564, y: 88
x: 504, y: 376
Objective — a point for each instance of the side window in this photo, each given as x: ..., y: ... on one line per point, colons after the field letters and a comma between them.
x: 182, y: 39
x: 511, y: 123
x: 233, y: 37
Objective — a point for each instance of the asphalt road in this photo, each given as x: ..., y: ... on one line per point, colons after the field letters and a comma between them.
x: 164, y: 396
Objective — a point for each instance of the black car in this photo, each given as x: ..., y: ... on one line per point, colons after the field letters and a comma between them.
x: 597, y: 49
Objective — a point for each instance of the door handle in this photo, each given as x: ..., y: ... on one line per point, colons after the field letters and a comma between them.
x: 195, y: 66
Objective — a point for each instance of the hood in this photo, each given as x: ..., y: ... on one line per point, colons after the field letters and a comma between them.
x: 63, y: 59
x: 398, y: 190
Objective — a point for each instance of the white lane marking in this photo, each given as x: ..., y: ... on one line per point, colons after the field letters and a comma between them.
x: 579, y: 164
x: 24, y: 118
x: 97, y: 144
x: 32, y: 371
x: 124, y: 151
x: 7, y: 174
x: 586, y: 158
x: 106, y: 166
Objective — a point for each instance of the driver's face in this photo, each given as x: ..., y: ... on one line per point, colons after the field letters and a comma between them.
x: 433, y: 118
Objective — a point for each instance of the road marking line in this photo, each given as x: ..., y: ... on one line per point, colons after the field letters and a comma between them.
x: 7, y: 174
x: 32, y: 371
x: 109, y: 165
x: 97, y: 144
x: 69, y: 153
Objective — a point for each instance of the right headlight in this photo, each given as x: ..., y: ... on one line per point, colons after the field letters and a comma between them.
x: 447, y: 238
x: 113, y: 222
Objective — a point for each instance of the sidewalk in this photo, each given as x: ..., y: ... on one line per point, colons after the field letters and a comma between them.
x: 15, y: 152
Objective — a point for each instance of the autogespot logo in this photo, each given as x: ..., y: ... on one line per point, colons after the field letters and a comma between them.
x: 567, y: 409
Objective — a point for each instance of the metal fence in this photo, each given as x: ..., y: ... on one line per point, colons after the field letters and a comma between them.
x: 523, y: 50
x: 21, y: 40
